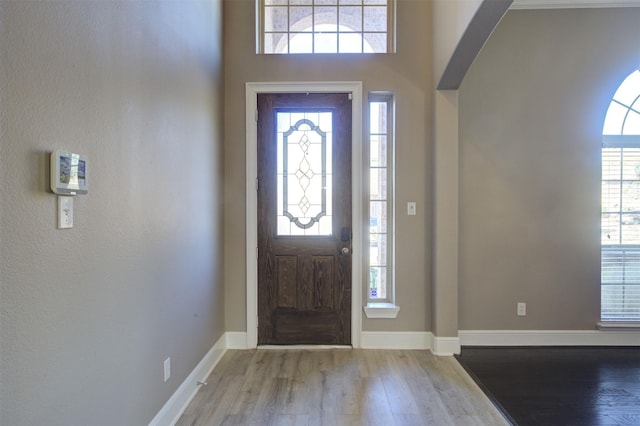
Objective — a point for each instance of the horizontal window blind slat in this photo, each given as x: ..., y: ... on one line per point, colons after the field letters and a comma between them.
x: 620, y: 284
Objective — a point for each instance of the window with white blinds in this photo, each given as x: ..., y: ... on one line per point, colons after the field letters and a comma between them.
x: 620, y: 223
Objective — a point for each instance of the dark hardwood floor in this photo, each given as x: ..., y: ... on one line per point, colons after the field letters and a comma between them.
x: 566, y: 386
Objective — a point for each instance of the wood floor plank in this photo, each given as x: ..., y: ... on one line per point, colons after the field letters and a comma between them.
x: 375, y: 401
x: 305, y: 393
x: 399, y: 395
x: 212, y: 403
x: 294, y: 387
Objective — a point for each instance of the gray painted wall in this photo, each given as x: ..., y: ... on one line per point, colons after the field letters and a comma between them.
x: 531, y: 113
x: 89, y: 314
x: 406, y: 73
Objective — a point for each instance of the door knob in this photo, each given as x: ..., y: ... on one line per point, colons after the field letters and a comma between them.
x: 345, y: 250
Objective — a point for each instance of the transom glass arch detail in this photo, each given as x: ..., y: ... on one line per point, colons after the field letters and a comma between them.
x: 325, y: 26
x: 623, y: 115
x: 620, y: 202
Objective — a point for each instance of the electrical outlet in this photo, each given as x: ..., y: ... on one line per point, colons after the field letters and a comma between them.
x: 167, y: 369
x: 522, y: 309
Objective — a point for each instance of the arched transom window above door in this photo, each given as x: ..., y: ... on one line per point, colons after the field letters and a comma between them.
x: 325, y: 26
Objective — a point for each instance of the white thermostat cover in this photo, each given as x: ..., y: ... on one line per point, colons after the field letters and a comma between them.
x: 69, y: 173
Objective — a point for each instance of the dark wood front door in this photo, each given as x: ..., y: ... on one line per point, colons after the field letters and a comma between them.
x: 304, y: 218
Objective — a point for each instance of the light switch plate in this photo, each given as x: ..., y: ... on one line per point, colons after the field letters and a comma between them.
x: 167, y: 369
x: 411, y: 208
x: 65, y: 212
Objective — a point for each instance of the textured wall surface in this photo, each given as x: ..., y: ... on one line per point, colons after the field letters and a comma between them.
x: 531, y: 113
x: 407, y: 74
x: 89, y: 314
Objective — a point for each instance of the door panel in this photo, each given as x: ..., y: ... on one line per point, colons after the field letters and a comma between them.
x: 304, y: 219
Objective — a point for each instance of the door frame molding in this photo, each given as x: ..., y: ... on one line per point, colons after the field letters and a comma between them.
x: 251, y: 97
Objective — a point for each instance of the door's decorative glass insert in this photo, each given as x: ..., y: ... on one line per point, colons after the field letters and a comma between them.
x: 304, y: 173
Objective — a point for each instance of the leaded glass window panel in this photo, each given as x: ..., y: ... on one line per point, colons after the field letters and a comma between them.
x: 304, y: 157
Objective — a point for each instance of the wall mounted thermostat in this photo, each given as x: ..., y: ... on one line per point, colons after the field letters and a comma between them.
x: 69, y: 173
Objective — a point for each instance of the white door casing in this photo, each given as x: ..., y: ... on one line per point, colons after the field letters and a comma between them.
x: 251, y: 94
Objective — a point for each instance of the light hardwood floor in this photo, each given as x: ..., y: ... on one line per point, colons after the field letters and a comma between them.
x: 339, y: 387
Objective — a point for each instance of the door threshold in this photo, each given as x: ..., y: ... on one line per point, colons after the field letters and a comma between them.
x: 308, y: 347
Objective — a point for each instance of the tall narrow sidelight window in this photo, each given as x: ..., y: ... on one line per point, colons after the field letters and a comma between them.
x: 620, y: 223
x: 325, y: 26
x: 381, y: 205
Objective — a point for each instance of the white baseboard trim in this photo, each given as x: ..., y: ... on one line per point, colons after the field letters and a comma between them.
x: 445, y: 346
x: 396, y: 340
x: 549, y: 337
x: 175, y: 406
x: 236, y: 340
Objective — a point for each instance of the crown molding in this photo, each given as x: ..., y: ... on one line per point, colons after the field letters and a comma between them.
x: 572, y: 4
